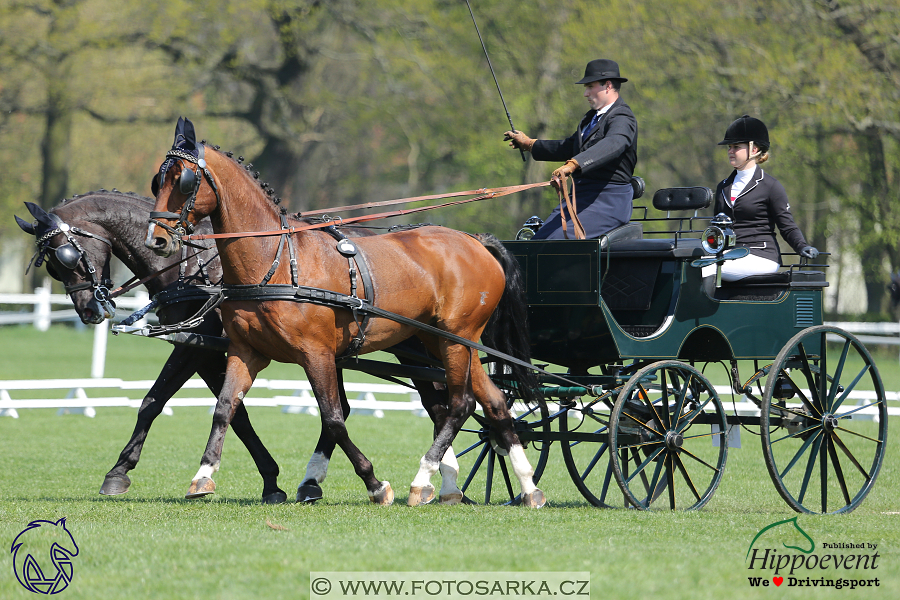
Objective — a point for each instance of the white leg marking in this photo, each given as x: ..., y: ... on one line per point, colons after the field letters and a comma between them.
x: 317, y: 468
x: 449, y: 473
x: 426, y: 470
x: 206, y: 471
x: 522, y: 469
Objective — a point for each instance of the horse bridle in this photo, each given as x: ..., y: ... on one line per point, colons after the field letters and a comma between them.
x: 69, y: 255
x: 189, y: 185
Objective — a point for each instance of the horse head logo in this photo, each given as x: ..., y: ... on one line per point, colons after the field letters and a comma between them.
x: 788, y: 534
x: 40, y: 545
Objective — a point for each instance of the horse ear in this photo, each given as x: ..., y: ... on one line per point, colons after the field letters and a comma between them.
x: 36, y: 211
x: 189, y: 133
x: 179, y: 127
x: 154, y: 185
x: 25, y: 226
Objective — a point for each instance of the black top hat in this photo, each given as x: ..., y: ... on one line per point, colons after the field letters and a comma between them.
x: 746, y: 129
x: 601, y: 70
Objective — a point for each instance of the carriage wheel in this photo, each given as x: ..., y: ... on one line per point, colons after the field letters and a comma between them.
x: 484, y: 467
x: 822, y: 451
x: 585, y: 449
x: 667, y: 438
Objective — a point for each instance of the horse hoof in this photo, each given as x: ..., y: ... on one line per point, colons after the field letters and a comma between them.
x: 309, y: 492
x: 114, y: 485
x: 279, y: 497
x: 535, y: 499
x: 419, y: 495
x: 201, y: 487
x: 383, y: 495
x: 451, y: 499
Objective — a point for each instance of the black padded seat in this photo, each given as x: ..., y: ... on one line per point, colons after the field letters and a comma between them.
x: 658, y: 248
x: 628, y: 231
x: 683, y: 198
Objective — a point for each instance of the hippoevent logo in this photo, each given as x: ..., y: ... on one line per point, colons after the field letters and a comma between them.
x: 42, y: 556
x: 784, y: 554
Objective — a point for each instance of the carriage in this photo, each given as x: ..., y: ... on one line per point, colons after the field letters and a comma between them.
x: 634, y: 323
x: 628, y: 322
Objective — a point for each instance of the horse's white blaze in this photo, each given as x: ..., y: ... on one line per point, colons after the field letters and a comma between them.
x: 522, y: 468
x: 317, y: 468
x: 206, y: 471
x: 426, y: 470
x: 449, y: 473
x: 151, y: 229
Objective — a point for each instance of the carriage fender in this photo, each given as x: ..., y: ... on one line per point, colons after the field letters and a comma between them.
x: 705, y: 343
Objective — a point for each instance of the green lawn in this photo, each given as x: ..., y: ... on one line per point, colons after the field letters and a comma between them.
x: 151, y: 543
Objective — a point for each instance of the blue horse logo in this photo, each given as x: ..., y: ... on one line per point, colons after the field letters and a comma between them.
x: 38, y: 541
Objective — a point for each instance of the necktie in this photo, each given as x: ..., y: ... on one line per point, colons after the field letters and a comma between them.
x: 591, y: 125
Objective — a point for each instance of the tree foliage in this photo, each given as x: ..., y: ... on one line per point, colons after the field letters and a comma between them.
x: 339, y: 102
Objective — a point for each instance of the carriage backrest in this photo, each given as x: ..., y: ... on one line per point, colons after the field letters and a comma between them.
x: 682, y: 198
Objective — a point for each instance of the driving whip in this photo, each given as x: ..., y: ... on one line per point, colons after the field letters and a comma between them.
x: 483, y: 47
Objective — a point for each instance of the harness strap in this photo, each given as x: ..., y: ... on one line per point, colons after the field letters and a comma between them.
x: 565, y: 203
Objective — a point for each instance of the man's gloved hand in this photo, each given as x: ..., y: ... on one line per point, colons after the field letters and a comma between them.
x: 809, y: 252
x: 519, y: 140
x: 564, y: 171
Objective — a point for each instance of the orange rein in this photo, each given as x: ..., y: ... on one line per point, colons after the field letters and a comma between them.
x: 483, y: 194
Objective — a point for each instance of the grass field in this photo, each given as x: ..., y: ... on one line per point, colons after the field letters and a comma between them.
x: 151, y: 543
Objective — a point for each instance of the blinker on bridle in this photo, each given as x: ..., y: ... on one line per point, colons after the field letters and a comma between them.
x: 188, y: 185
x: 69, y: 255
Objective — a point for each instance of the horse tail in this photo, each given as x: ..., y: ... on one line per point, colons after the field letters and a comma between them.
x: 507, y: 329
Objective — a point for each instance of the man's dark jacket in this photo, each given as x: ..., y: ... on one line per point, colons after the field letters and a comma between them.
x: 609, y: 153
x: 762, y: 206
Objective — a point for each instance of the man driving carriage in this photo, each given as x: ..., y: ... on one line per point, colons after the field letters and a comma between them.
x: 600, y: 155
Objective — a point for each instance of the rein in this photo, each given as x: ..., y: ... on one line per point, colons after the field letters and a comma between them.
x: 562, y: 191
x: 484, y: 194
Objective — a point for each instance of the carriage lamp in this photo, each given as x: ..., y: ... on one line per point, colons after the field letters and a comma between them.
x: 529, y: 228
x: 719, y: 236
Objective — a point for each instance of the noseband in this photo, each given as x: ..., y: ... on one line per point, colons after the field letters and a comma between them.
x: 189, y: 186
x: 99, y: 286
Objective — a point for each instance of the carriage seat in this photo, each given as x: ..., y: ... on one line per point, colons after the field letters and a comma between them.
x: 682, y: 198
x: 629, y: 231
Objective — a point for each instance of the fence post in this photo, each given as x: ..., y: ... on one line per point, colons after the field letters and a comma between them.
x: 42, y: 308
x: 98, y: 359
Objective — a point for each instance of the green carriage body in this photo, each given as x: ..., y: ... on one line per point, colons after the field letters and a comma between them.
x: 592, y: 303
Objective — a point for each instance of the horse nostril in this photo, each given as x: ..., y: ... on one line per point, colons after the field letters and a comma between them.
x: 159, y: 242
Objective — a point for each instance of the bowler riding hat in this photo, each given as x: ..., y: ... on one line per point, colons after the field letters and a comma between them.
x: 747, y: 129
x: 601, y: 70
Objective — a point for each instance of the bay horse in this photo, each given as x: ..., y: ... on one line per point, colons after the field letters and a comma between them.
x: 431, y: 276
x: 113, y: 223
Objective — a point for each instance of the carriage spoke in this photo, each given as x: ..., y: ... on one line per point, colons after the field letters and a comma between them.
x: 489, y: 482
x: 822, y: 389
x: 799, y: 453
x: 640, y: 468
x: 857, y: 409
x: 594, y: 460
x: 836, y: 378
x: 823, y: 472
x: 641, y: 423
x: 865, y: 437
x: 477, y: 464
x: 699, y: 460
x: 603, y: 491
x: 664, y: 398
x: 810, y: 379
x: 596, y: 432
x: 470, y: 448
x: 852, y: 458
x: 679, y: 404
x: 670, y: 475
x: 641, y: 445
x: 686, y: 476
x: 637, y: 457
x: 656, y: 486
x: 796, y: 435
x: 809, y: 467
x: 803, y: 399
x: 506, y: 479
x: 689, y: 418
x: 642, y: 394
x: 850, y: 388
x: 838, y: 471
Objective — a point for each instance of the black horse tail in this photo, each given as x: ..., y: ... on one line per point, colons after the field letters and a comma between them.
x: 507, y: 329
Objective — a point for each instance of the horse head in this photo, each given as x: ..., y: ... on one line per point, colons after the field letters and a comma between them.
x: 71, y: 254
x: 181, y: 198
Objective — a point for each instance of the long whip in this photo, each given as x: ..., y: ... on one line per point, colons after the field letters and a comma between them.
x: 483, y: 47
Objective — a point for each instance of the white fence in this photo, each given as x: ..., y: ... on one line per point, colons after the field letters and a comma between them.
x: 75, y: 398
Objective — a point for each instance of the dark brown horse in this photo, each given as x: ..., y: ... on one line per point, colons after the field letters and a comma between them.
x: 111, y: 223
x: 432, y: 275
